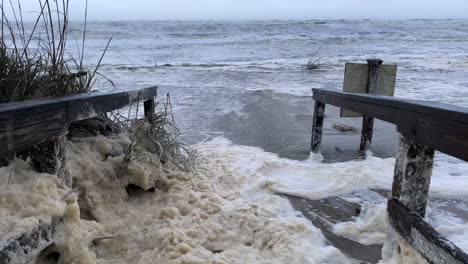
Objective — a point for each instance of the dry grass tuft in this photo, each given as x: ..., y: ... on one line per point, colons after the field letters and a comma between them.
x: 314, y: 60
x: 158, y: 136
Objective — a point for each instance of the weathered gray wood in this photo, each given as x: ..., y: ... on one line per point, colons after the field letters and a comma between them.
x: 367, y: 132
x: 77, y: 104
x: 317, y: 126
x: 30, y: 123
x: 325, y: 213
x: 412, y: 176
x: 438, y: 126
x: 21, y: 249
x: 436, y: 109
x: 434, y: 247
x: 372, y: 88
x: 374, y: 76
x: 357, y: 78
x: 50, y: 157
x: 61, y: 161
x: 411, y: 180
x: 149, y: 107
x: 21, y: 132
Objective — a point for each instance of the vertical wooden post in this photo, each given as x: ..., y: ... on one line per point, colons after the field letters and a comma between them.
x: 317, y: 126
x: 412, y: 176
x: 366, y: 133
x: 149, y: 107
x: 374, y: 75
x: 372, y: 88
x: 50, y: 157
x: 61, y: 160
x: 411, y: 180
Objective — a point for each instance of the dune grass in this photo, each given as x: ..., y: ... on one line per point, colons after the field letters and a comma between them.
x: 34, y: 62
x: 157, y: 135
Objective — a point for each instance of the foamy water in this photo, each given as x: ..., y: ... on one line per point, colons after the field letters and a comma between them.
x: 206, y: 216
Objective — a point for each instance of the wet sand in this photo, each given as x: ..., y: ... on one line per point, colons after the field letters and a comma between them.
x: 282, y: 124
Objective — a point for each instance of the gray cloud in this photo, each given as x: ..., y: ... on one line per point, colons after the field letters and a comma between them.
x: 262, y: 9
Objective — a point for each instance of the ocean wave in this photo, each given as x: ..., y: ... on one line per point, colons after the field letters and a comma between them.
x: 261, y: 64
x: 195, y: 35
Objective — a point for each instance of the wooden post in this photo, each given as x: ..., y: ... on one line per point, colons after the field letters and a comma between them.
x: 50, y: 157
x: 317, y: 126
x: 372, y: 88
x: 374, y: 75
x: 412, y: 176
x: 27, y: 245
x: 366, y: 133
x: 149, y: 107
x: 61, y: 160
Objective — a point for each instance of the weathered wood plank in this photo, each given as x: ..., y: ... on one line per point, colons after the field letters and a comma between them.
x: 436, y: 109
x: 20, y: 249
x: 372, y: 88
x: 325, y: 213
x: 49, y: 157
x: 441, y: 127
x: 374, y: 76
x: 149, y: 107
x: 412, y: 176
x: 317, y: 126
x: 367, y: 131
x: 422, y: 237
x: 19, y: 133
x: 14, y: 110
x: 357, y: 77
x: 30, y: 123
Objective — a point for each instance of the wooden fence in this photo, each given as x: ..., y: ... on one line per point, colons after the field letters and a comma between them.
x: 26, y: 124
x: 424, y: 127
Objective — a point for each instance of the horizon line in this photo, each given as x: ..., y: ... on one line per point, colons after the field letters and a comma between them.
x: 260, y: 20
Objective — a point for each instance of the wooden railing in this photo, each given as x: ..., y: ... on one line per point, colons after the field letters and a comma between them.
x: 45, y: 123
x: 424, y: 127
x: 29, y: 123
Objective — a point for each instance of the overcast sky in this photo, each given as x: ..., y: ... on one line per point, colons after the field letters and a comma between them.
x: 262, y: 9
